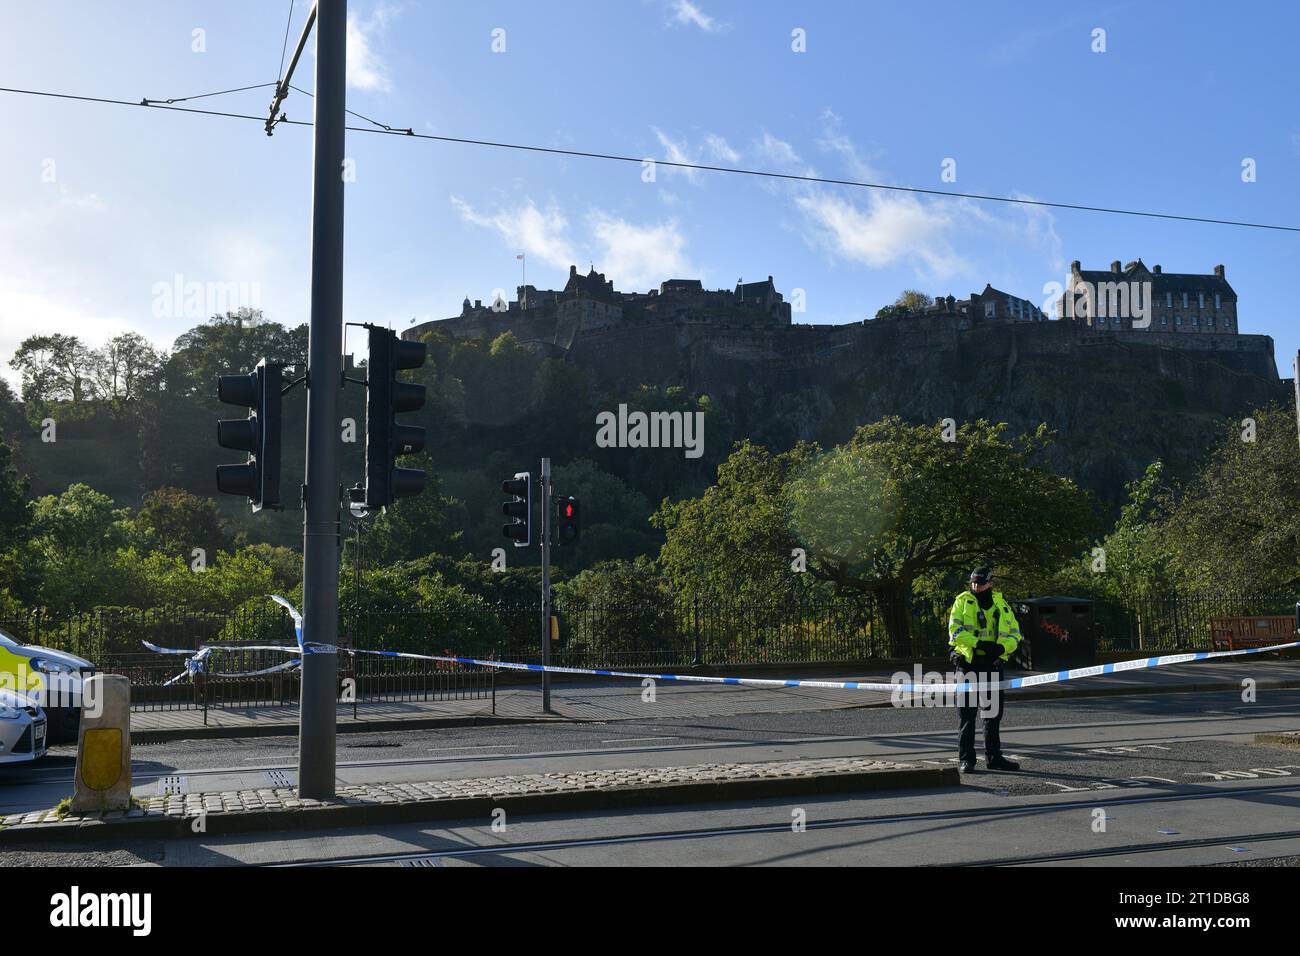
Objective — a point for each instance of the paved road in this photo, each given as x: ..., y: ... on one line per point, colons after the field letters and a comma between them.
x: 1181, y: 763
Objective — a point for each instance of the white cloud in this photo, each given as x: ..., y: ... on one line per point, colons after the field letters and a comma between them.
x: 834, y: 140
x: 676, y: 153
x: 366, y: 69
x: 779, y: 156
x: 685, y: 13
x: 633, y: 255
x: 715, y: 150
x: 720, y: 150
x: 87, y: 201
x: 884, y: 231
x: 639, y: 256
x: 881, y: 229
x: 533, y: 231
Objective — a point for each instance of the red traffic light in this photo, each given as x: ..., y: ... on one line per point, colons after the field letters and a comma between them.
x: 567, y: 520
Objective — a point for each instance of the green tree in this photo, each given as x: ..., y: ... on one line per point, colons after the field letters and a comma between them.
x: 15, y: 516
x: 55, y: 369
x: 735, y: 538
x: 898, y: 503
x: 910, y: 302
x: 1236, y: 526
x: 177, y: 522
x: 427, y: 523
x: 893, y: 511
x: 121, y: 369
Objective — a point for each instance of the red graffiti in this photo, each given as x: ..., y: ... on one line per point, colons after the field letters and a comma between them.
x: 1061, y: 633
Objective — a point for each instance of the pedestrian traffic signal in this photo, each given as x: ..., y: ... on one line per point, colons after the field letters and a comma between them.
x: 566, y: 520
x: 386, y: 398
x: 257, y: 479
x: 518, y: 509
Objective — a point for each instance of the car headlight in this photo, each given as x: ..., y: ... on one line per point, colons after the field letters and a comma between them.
x: 46, y: 666
x: 9, y: 713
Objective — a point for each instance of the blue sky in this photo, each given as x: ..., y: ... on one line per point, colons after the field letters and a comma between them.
x: 103, y: 203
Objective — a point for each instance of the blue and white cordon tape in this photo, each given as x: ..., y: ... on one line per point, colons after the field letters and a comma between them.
x: 197, y: 660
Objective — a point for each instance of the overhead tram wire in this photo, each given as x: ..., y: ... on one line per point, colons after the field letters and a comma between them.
x: 383, y: 126
x: 383, y: 130
x: 200, y: 96
x: 284, y: 48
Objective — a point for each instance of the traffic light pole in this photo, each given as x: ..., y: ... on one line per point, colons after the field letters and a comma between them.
x: 320, y: 565
x: 546, y: 584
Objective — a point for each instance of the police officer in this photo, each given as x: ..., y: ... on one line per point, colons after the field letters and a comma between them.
x: 983, y: 633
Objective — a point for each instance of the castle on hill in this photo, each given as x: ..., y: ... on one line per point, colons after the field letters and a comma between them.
x: 592, y: 300
x: 1129, y: 299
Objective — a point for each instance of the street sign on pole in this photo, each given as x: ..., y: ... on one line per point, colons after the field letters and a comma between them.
x: 320, y: 523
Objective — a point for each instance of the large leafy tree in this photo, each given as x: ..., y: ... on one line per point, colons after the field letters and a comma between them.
x: 55, y: 369
x: 1236, y: 526
x: 121, y: 369
x: 895, y: 507
x: 233, y: 342
x: 69, y: 559
x: 898, y: 503
x: 176, y: 522
x: 734, y: 539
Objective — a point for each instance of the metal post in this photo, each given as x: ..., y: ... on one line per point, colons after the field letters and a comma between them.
x: 320, y: 523
x: 1295, y: 371
x: 546, y: 584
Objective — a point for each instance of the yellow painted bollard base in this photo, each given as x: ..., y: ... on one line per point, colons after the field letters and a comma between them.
x: 101, y: 754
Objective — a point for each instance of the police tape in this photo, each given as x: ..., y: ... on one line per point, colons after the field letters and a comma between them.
x: 897, y: 687
x: 197, y: 660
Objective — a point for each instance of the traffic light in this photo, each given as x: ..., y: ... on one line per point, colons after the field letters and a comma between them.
x: 386, y: 398
x: 258, y: 479
x: 519, y: 508
x: 566, y: 520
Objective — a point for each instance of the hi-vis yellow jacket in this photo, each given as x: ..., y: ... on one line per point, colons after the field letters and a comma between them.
x: 968, y: 625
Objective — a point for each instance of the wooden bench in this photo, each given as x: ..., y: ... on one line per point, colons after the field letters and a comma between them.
x: 1240, y: 633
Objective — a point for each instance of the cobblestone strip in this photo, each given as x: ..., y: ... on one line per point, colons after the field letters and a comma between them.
x: 704, y: 781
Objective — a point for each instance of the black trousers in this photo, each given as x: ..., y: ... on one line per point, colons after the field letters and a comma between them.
x: 981, y: 670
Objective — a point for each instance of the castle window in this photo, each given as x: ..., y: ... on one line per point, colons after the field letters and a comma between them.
x: 1196, y: 320
x: 1101, y: 320
x: 1178, y: 320
x: 1184, y: 300
x: 1218, y: 301
x: 1200, y: 300
x: 1169, y: 300
x: 990, y: 310
x: 1164, y: 320
x: 1210, y: 321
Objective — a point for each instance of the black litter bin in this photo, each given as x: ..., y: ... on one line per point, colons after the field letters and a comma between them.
x: 1058, y: 633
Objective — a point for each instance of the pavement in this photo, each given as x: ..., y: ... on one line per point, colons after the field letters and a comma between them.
x: 611, y: 699
x: 376, y: 804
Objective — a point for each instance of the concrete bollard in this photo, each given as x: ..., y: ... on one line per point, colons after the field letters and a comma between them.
x: 103, y: 778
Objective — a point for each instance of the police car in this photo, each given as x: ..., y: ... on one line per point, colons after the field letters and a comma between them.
x: 49, y: 679
x: 22, y: 729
